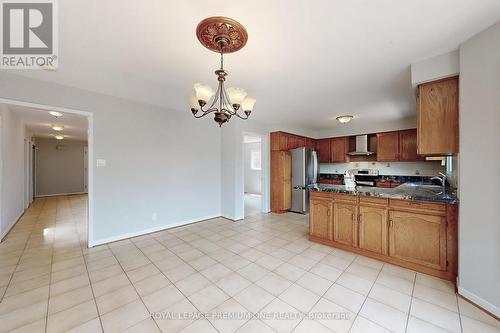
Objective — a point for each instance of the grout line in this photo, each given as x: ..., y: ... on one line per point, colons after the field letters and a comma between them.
x: 411, y: 301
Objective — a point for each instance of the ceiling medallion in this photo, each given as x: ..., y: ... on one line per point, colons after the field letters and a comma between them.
x: 221, y: 35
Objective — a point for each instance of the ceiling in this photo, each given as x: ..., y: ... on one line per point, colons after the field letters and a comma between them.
x: 39, y: 122
x: 306, y: 62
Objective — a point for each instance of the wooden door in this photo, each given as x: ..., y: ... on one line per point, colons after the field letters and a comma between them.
x: 388, y: 146
x: 437, y: 117
x: 408, y: 146
x: 281, y: 189
x: 320, y: 218
x: 344, y: 223
x: 323, y: 150
x: 338, y: 149
x: 418, y: 238
x: 287, y: 180
x: 373, y: 229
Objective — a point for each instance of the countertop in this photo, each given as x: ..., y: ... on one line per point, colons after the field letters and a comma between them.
x: 407, y: 191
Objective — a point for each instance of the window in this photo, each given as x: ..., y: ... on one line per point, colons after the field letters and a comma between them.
x: 255, y: 160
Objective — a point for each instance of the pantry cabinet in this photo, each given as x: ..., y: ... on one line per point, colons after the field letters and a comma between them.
x: 281, y: 174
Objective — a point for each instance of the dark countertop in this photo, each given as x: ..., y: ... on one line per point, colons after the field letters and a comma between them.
x: 406, y: 191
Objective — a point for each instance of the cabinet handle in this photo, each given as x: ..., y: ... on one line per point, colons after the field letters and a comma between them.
x: 391, y: 223
x: 328, y: 212
x: 359, y: 218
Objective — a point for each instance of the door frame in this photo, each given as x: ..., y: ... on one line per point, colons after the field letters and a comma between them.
x: 90, y: 144
x: 265, y: 171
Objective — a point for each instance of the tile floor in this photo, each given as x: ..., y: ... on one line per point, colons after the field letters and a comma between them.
x: 257, y: 275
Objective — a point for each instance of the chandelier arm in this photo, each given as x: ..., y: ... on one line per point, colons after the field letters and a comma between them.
x: 229, y: 107
x: 241, y: 117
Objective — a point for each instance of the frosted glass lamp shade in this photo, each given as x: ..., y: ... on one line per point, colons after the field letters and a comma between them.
x: 203, y: 92
x: 248, y: 103
x: 193, y: 102
x: 236, y: 95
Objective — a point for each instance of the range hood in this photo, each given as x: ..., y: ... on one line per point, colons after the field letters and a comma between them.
x: 361, y: 146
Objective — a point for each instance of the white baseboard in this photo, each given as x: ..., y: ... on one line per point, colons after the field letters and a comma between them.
x: 232, y: 218
x: 149, y: 231
x: 11, y: 226
x: 59, y: 194
x: 479, y: 301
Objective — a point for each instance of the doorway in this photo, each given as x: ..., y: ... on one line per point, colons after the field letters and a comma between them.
x: 252, y: 159
x: 57, y: 170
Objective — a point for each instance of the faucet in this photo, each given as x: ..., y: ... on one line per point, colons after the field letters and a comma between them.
x: 441, y: 179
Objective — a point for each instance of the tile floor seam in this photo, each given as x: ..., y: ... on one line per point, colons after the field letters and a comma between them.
x: 50, y: 276
x: 411, y: 302
x: 364, y: 301
x: 161, y: 272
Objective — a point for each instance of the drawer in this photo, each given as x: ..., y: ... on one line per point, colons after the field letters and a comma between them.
x: 373, y: 200
x: 433, y: 207
x: 345, y: 197
x: 320, y: 195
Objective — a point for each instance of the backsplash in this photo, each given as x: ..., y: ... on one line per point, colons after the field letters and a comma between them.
x: 427, y: 168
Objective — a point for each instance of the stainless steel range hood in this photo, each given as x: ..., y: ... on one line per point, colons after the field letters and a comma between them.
x: 361, y: 146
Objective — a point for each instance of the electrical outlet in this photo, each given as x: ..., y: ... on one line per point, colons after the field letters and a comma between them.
x: 417, y: 172
x: 154, y: 217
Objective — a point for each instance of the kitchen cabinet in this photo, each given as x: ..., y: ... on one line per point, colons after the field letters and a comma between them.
x: 320, y: 216
x: 408, y: 146
x: 279, y: 141
x: 418, y: 235
x: 388, y: 146
x: 293, y: 142
x: 373, y: 229
x: 323, y: 150
x: 281, y: 194
x: 437, y: 117
x: 338, y: 149
x: 418, y: 238
x: 345, y: 229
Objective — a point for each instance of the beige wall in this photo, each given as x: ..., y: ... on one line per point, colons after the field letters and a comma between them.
x: 59, y: 170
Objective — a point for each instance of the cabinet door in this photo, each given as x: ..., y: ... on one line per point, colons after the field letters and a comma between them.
x: 437, y: 117
x: 344, y: 223
x: 301, y: 142
x: 320, y: 218
x: 338, y: 149
x: 418, y: 238
x: 373, y: 229
x: 292, y: 142
x: 323, y: 150
x: 388, y: 146
x: 408, y: 146
x: 287, y: 180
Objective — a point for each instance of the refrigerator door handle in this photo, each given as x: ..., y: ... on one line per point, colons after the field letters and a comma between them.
x: 315, y: 167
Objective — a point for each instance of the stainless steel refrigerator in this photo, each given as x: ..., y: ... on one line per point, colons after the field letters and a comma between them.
x: 304, y: 172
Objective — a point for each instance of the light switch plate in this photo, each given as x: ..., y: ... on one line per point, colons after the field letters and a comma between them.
x: 100, y: 163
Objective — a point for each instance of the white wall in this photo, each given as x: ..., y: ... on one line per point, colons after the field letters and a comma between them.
x: 435, y: 68
x: 355, y: 128
x: 253, y: 177
x: 59, y: 171
x: 158, y: 161
x: 427, y: 168
x: 12, y: 135
x: 479, y: 227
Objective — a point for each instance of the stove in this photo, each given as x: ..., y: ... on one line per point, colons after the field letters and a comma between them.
x: 365, y: 177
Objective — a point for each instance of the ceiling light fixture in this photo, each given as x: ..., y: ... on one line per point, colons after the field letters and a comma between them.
x: 58, y: 136
x: 221, y: 35
x: 56, y: 114
x: 58, y: 127
x: 344, y: 119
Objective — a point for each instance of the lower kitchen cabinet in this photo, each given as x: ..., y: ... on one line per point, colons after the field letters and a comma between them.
x: 345, y: 229
x: 418, y: 238
x: 320, y: 218
x: 419, y: 235
x: 373, y: 229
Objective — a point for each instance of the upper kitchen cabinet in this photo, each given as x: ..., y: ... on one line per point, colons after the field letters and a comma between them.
x: 437, y: 117
x: 279, y: 141
x: 408, y: 146
x: 323, y: 150
x: 388, y: 146
x: 338, y: 149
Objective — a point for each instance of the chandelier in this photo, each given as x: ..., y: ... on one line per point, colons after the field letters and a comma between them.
x: 221, y: 35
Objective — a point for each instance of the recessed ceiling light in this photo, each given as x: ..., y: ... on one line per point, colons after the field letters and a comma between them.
x: 59, y: 137
x: 56, y: 114
x: 344, y: 119
x: 57, y: 127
